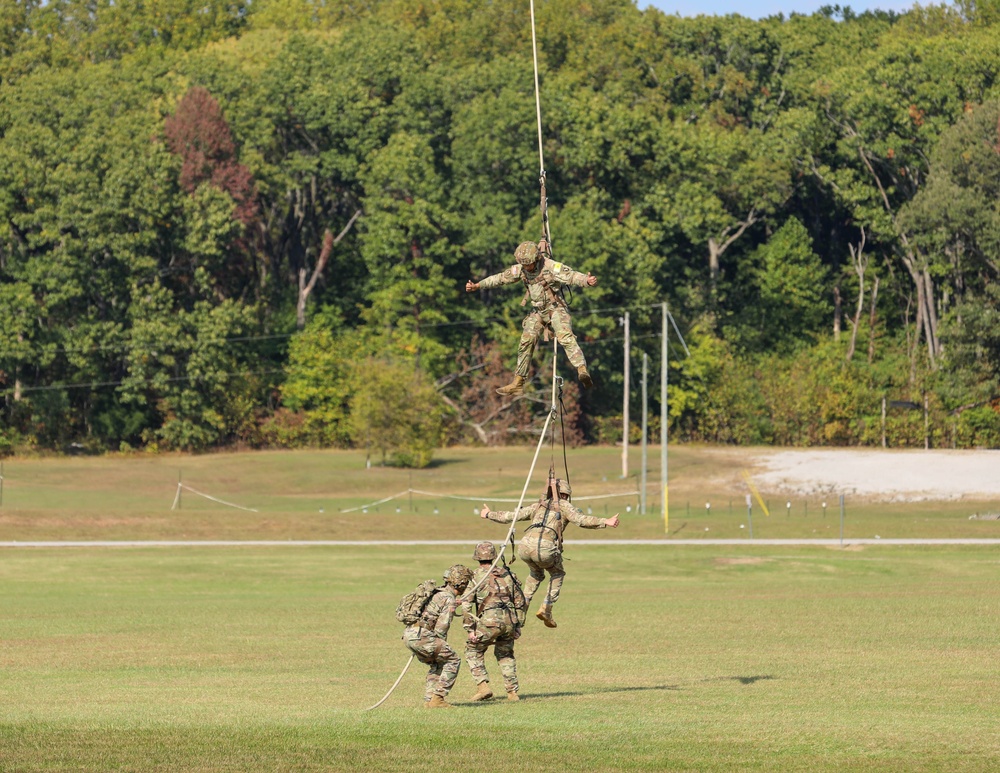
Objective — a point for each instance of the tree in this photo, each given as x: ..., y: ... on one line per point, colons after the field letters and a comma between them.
x: 395, y: 412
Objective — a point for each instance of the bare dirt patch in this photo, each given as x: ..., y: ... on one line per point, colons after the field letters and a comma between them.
x: 741, y: 560
x: 888, y: 476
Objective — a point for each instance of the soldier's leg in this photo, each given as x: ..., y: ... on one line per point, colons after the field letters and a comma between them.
x: 556, y: 575
x: 447, y: 667
x: 530, y: 330
x: 562, y: 324
x: 504, y: 651
x: 563, y: 327
x: 474, y: 658
x: 422, y: 644
x: 474, y: 652
x: 537, y: 575
x: 432, y: 681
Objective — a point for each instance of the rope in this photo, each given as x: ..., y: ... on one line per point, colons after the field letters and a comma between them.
x: 479, y: 497
x: 180, y: 486
x: 509, y: 539
x: 394, y: 685
x: 543, y: 199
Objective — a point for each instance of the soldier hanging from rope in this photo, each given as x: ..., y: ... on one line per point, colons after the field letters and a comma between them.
x: 541, y: 546
x: 543, y: 279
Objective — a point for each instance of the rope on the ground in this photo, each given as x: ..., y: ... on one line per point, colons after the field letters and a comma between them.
x: 398, y: 680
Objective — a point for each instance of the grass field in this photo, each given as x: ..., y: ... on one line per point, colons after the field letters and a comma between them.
x: 667, y: 657
x: 301, y: 495
x: 681, y: 658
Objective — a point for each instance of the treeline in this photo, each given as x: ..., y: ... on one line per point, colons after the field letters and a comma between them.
x: 233, y: 223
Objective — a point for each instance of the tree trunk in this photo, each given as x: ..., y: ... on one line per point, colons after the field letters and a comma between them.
x: 871, y: 324
x: 306, y: 288
x: 837, y: 312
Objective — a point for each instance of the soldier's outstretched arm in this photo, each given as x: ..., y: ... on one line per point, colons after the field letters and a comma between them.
x: 574, y: 515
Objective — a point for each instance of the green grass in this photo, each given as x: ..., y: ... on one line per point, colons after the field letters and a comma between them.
x: 300, y: 495
x: 679, y: 658
x: 676, y: 657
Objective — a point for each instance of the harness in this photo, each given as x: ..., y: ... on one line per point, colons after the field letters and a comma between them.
x: 545, y: 525
x: 495, y: 598
x: 555, y: 296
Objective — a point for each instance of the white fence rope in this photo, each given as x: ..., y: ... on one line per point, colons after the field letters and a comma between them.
x: 177, y: 499
x: 485, y: 498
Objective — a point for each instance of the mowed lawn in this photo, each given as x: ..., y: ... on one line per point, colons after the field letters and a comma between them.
x: 321, y: 495
x: 667, y: 657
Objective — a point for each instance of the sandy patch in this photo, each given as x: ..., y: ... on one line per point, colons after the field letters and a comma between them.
x: 894, y: 476
x: 741, y: 560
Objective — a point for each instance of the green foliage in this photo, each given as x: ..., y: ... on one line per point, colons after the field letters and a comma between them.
x: 396, y: 412
x: 793, y: 303
x: 322, y: 370
x: 168, y: 176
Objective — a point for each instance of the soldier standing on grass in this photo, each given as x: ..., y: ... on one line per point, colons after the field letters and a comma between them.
x: 493, y: 611
x: 543, y: 279
x: 428, y: 637
x: 541, y: 546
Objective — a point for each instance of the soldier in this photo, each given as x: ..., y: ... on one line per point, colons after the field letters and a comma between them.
x: 541, y: 546
x: 543, y: 279
x: 493, y: 612
x: 428, y: 637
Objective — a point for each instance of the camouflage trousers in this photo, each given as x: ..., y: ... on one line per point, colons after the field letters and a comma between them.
x: 540, y: 555
x: 434, y: 651
x: 562, y: 326
x: 501, y: 638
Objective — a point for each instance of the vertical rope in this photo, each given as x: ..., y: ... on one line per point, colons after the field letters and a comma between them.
x: 538, y: 99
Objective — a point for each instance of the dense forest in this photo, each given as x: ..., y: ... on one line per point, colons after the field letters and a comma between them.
x: 228, y: 223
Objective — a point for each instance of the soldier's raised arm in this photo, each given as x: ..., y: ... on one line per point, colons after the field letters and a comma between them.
x: 575, y: 515
x: 504, y: 516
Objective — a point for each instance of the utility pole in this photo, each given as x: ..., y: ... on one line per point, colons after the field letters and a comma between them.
x: 645, y: 432
x: 663, y: 420
x: 625, y: 400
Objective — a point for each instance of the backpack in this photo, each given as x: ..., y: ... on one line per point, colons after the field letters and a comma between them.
x: 412, y: 605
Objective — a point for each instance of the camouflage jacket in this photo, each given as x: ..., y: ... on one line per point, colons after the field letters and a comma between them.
x: 543, y: 283
x: 439, y: 611
x: 494, y: 600
x: 549, y: 518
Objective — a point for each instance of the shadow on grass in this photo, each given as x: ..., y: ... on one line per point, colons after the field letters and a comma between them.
x: 744, y: 680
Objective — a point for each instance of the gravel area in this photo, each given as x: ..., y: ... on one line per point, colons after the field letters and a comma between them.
x: 895, y: 476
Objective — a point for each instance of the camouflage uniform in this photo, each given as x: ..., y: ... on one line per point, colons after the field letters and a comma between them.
x: 549, y: 308
x: 428, y: 640
x: 541, y: 546
x: 498, y: 624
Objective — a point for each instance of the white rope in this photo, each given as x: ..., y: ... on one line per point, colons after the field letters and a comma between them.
x: 380, y: 502
x: 555, y: 343
x: 538, y: 99
x: 180, y: 486
x: 513, y: 522
x: 393, y: 686
x: 479, y: 498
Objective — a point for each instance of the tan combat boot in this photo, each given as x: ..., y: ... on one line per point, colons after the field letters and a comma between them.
x: 437, y: 702
x: 584, y: 376
x: 545, y: 615
x: 512, y: 696
x: 483, y: 692
x: 514, y: 388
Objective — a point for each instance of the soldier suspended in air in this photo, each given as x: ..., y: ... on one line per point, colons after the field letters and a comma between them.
x: 543, y: 279
x: 541, y: 546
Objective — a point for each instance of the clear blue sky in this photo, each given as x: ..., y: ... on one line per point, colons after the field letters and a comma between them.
x: 757, y: 9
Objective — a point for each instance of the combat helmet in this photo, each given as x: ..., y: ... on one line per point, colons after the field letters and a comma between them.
x: 526, y: 253
x: 485, y: 551
x: 563, y: 487
x: 458, y: 576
